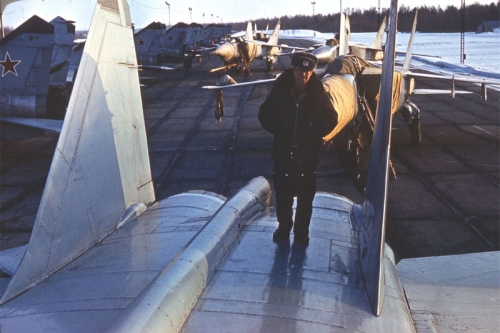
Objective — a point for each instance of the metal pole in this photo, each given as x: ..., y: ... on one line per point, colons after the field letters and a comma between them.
x: 191, y: 14
x: 462, y: 34
x: 378, y: 25
x: 168, y: 13
x: 314, y: 23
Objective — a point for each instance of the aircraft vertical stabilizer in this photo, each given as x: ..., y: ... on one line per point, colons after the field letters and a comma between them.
x: 409, y: 51
x: 377, y: 42
x: 273, y: 40
x: 249, y: 35
x: 98, y: 178
x: 345, y: 30
x: 371, y: 216
x: 64, y: 36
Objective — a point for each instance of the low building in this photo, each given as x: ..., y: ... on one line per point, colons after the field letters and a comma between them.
x: 488, y: 26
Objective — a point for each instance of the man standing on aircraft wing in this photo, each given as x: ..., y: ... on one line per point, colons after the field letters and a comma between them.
x: 298, y: 114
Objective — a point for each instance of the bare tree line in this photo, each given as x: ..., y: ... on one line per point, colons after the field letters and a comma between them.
x: 430, y: 19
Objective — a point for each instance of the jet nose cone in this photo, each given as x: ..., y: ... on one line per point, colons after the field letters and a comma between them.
x: 227, y: 51
x: 325, y: 54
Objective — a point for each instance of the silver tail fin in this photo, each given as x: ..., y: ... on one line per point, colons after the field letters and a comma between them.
x: 409, y: 51
x: 274, y: 36
x: 99, y: 177
x: 249, y: 35
x: 371, y: 216
x: 377, y: 42
x: 345, y: 31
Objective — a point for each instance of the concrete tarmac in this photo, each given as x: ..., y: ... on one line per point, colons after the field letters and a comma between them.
x: 444, y: 201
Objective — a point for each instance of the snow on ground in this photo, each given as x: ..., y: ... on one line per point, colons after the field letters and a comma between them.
x: 481, y: 50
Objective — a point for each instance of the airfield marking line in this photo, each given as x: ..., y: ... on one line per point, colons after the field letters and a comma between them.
x: 482, y: 129
x: 478, y: 164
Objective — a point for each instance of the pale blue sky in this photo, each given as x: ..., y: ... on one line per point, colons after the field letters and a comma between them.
x: 144, y: 12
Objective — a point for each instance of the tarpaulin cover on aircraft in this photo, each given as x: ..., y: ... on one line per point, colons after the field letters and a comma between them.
x: 342, y: 95
x: 371, y: 82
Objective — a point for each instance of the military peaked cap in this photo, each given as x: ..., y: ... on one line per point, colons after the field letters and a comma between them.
x: 304, y: 60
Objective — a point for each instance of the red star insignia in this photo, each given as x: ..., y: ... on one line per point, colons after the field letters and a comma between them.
x: 141, y: 42
x: 9, y: 65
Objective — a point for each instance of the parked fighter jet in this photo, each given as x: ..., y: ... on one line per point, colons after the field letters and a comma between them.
x: 34, y: 59
x: 356, y: 105
x: 242, y: 51
x: 261, y: 35
x: 155, y: 45
x: 330, y: 50
x: 103, y: 258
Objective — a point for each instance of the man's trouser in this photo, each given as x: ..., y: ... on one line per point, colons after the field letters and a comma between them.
x: 294, y: 179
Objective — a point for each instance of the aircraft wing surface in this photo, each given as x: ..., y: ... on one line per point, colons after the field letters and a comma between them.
x: 95, y: 289
x: 239, y: 85
x: 438, y: 92
x: 452, y: 79
x: 266, y: 287
x: 453, y: 293
x: 456, y: 78
x: 165, y: 68
x: 104, y: 258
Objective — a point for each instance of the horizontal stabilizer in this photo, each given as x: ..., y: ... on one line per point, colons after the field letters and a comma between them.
x: 457, y: 291
x: 58, y: 66
x: 457, y: 78
x: 11, y: 258
x: 45, y: 124
x: 418, y: 54
x: 438, y: 92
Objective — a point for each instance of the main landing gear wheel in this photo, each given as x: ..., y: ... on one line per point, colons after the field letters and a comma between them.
x: 415, y: 132
x: 269, y: 65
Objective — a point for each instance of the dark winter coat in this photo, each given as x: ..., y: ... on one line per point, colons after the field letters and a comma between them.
x: 297, y: 131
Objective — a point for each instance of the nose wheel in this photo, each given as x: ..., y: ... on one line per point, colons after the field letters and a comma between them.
x: 411, y: 113
x: 269, y: 65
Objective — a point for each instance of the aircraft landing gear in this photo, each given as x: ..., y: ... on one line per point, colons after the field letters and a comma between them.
x: 415, y: 132
x: 269, y: 65
x: 354, y: 156
x: 411, y: 113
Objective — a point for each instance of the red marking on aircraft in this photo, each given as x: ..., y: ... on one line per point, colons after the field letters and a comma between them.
x: 9, y: 65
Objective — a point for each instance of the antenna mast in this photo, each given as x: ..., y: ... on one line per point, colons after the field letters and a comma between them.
x: 462, y: 34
